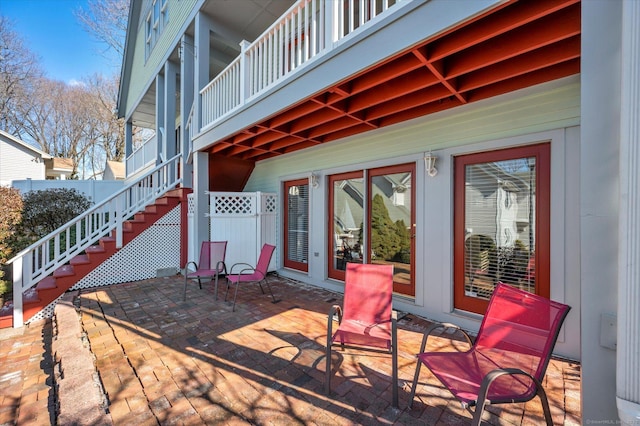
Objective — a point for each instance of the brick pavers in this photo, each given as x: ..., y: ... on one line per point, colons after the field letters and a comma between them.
x: 163, y: 361
x: 27, y: 393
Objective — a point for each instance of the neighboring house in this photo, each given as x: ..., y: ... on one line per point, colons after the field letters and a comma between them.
x: 59, y: 168
x: 310, y: 99
x: 114, y: 170
x: 19, y: 160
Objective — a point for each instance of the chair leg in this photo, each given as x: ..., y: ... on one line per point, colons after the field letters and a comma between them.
x: 184, y: 292
x: 271, y: 292
x: 423, y: 345
x: 227, y: 292
x: 215, y: 291
x: 545, y: 405
x: 394, y: 366
x: 200, y: 282
x: 235, y: 296
x: 327, y: 378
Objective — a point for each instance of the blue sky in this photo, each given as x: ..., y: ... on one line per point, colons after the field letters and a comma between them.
x: 50, y: 29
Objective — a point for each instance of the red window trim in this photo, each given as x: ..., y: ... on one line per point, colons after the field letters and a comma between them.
x: 542, y: 153
x: 288, y: 263
x: 332, y: 272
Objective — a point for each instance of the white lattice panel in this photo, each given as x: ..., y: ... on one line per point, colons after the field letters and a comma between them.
x: 269, y: 203
x: 191, y: 204
x: 235, y: 205
x: 158, y: 247
x: 246, y: 220
x: 46, y: 312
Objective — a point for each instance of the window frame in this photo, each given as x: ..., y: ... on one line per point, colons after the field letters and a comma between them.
x: 332, y: 272
x: 288, y: 263
x: 542, y: 245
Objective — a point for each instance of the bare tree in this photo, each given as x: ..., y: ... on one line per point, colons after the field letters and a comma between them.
x: 76, y: 122
x: 106, y: 20
x: 18, y: 67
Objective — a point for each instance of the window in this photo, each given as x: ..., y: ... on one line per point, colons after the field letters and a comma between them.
x: 155, y: 22
x: 346, y: 207
x: 372, y: 221
x: 148, y: 35
x: 501, y: 223
x: 296, y: 224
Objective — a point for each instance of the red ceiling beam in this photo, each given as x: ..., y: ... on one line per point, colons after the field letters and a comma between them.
x: 533, y: 36
x: 496, y: 23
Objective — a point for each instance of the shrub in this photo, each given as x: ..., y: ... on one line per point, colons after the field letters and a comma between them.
x: 47, y: 210
x: 10, y: 214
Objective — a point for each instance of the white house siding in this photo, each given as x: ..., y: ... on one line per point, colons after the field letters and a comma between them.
x: 546, y: 112
x: 17, y: 162
x: 147, y: 69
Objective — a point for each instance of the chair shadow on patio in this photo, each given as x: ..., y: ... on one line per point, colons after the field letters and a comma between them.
x: 161, y: 360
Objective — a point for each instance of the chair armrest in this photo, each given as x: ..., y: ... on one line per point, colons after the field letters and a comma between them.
x: 332, y: 312
x: 221, y: 266
x: 488, y: 379
x: 186, y: 267
x: 240, y: 264
x: 335, y: 309
x: 445, y: 326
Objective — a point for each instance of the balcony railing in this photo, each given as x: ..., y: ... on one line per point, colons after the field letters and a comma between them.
x: 309, y: 29
x: 144, y: 156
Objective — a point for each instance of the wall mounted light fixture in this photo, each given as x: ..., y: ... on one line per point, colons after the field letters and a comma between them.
x: 430, y: 164
x: 313, y: 181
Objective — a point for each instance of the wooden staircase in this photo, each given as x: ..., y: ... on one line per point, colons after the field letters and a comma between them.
x: 65, y: 277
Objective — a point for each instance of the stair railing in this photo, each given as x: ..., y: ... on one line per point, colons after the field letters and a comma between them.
x: 42, y: 258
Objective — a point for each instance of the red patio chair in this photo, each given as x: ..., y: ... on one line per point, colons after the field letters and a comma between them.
x: 366, y: 318
x: 510, y: 355
x: 248, y: 273
x: 211, y: 265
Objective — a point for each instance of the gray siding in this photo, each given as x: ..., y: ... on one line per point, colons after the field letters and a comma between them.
x: 17, y: 162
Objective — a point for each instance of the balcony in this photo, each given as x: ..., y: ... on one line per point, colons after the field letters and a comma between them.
x: 308, y: 30
x: 323, y: 72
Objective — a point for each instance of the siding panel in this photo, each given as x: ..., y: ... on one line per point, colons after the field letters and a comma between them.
x: 17, y: 163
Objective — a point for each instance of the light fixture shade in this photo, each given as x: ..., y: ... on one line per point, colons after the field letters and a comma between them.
x: 430, y: 164
x: 313, y: 180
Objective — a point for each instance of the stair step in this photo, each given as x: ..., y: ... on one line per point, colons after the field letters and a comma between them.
x: 95, y: 249
x: 6, y: 315
x: 30, y: 296
x: 7, y: 308
x: 64, y: 271
x: 81, y: 259
x: 47, y: 283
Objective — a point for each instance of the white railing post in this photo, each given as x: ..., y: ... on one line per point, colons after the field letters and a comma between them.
x: 245, y: 71
x: 18, y: 275
x: 332, y: 14
x: 119, y: 204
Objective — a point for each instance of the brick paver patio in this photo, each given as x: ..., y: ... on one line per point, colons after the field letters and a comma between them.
x: 159, y: 360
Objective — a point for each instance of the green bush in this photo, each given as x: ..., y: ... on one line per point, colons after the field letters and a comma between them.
x: 24, y: 220
x: 47, y: 210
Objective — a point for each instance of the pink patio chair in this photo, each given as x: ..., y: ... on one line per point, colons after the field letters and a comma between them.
x: 211, y: 265
x: 510, y: 355
x: 366, y: 318
x: 248, y: 273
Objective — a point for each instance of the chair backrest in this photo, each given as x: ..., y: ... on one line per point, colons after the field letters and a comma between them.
x: 524, y: 323
x: 265, y: 258
x: 211, y: 253
x: 368, y: 291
